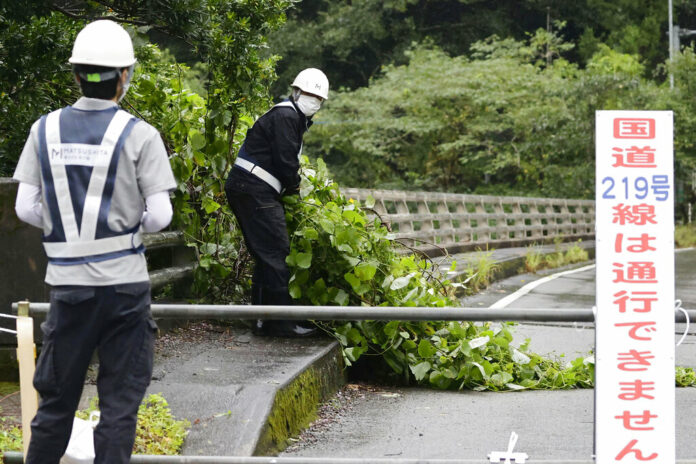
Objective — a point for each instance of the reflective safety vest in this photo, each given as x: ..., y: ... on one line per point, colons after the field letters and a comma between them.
x: 78, y: 154
x: 248, y: 163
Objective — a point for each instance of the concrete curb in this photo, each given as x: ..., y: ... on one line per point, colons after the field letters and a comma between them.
x: 296, y: 402
x: 509, y: 261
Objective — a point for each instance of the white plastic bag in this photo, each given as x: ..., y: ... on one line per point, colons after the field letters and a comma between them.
x: 81, y: 446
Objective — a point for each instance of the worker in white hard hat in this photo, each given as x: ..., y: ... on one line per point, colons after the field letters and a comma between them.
x: 93, y: 177
x: 266, y: 169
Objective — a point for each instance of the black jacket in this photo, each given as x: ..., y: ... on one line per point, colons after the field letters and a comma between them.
x: 273, y: 143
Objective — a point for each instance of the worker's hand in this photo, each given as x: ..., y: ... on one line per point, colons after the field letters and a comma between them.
x: 295, y: 190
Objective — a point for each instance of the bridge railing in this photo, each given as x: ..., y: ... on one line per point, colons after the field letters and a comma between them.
x: 169, y: 258
x: 430, y: 221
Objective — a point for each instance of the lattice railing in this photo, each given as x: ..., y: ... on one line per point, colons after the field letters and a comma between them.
x: 431, y: 221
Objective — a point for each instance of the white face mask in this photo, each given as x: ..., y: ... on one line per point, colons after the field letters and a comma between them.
x: 308, y: 104
x: 124, y: 87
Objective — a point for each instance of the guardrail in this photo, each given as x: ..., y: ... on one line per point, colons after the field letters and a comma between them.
x: 343, y: 313
x: 366, y: 313
x: 352, y: 313
x: 169, y: 259
x: 16, y: 458
x: 430, y: 222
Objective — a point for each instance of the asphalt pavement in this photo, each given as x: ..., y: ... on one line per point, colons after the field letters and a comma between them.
x: 225, y: 381
x: 552, y: 425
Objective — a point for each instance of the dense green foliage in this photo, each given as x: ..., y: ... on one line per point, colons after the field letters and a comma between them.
x: 353, y: 40
x: 339, y: 256
x: 227, y: 37
x: 502, y: 120
x: 202, y: 133
x: 511, y: 117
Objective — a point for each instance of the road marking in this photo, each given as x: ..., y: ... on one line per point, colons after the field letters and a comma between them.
x: 532, y: 285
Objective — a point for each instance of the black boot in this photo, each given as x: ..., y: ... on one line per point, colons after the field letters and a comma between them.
x: 260, y: 327
x: 294, y: 329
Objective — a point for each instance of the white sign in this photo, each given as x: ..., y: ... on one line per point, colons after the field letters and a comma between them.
x: 634, y: 396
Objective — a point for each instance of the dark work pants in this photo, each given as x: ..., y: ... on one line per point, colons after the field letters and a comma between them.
x: 116, y: 322
x: 261, y: 216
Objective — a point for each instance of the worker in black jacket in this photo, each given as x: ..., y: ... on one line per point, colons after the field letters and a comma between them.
x: 266, y: 169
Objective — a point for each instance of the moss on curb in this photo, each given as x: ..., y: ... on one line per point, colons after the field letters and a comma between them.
x: 296, y: 403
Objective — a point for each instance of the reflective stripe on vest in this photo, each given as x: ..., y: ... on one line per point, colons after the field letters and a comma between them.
x: 289, y: 103
x: 79, y: 243
x: 249, y: 164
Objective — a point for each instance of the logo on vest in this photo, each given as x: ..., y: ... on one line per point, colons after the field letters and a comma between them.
x: 79, y: 154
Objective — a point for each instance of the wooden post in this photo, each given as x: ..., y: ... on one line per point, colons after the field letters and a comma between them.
x: 26, y: 356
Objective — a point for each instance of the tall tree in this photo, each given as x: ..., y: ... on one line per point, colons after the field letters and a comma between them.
x: 36, y: 38
x: 353, y: 40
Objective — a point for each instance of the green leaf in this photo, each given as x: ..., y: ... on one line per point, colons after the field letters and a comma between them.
x: 401, y: 282
x: 352, y: 280
x: 409, y: 345
x: 327, y: 225
x: 438, y: 380
x: 295, y: 290
x: 354, y: 217
x: 341, y: 298
x: 310, y: 234
x: 199, y: 158
x: 365, y: 271
x: 210, y: 205
x: 426, y: 349
x: 420, y: 370
x: 303, y: 260
x: 197, y: 141
x: 369, y: 202
x: 391, y: 328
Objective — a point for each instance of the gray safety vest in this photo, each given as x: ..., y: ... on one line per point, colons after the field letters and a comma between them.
x: 78, y: 155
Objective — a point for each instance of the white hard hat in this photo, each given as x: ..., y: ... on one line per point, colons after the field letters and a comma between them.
x: 103, y: 43
x: 312, y: 80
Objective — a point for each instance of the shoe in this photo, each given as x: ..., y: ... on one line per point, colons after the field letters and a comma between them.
x: 260, y: 327
x: 292, y: 329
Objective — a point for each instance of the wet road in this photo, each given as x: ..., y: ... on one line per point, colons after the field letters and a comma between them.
x: 578, y: 290
x: 552, y: 425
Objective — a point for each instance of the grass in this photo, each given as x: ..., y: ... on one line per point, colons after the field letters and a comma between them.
x: 10, y: 431
x: 480, y: 273
x: 535, y: 261
x: 157, y: 431
x: 685, y: 236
